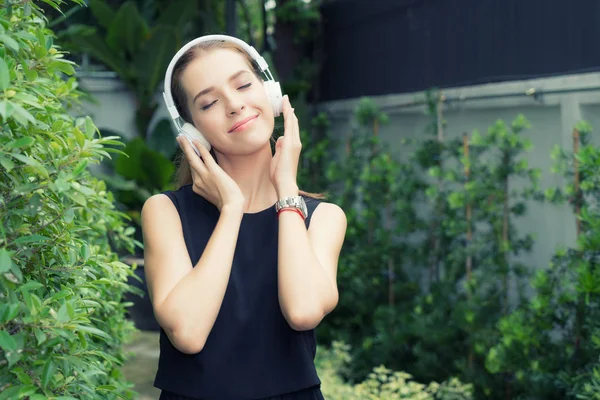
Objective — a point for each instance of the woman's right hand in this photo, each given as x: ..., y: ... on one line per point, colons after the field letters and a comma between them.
x: 210, y: 180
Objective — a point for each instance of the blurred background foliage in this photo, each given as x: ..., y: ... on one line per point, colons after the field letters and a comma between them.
x: 430, y: 278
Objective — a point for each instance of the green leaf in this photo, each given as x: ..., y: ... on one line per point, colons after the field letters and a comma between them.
x: 93, y: 331
x: 22, y: 142
x: 31, y: 285
x: 6, y: 109
x: 62, y: 66
x: 80, y: 167
x: 162, y: 139
x: 22, y: 116
x: 52, y: 4
x: 5, y: 260
x: 102, y: 12
x: 154, y: 57
x: 7, y: 342
x: 9, y: 42
x: 61, y: 295
x: 4, y: 74
x: 95, y: 46
x: 127, y: 30
x: 40, y: 336
x: 8, y: 312
x: 6, y: 163
x: 22, y: 376
x: 106, y: 388
x: 85, y: 252
x: 27, y: 390
x: 14, y: 275
x: 69, y: 215
x: 10, y: 393
x: 31, y: 74
x: 77, y: 198
x: 63, y: 313
x: 47, y: 372
x: 31, y: 239
x: 27, y: 160
x: 82, y: 339
x: 79, y: 137
x: 90, y: 128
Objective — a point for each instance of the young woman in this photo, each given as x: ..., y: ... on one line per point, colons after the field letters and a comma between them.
x: 241, y: 265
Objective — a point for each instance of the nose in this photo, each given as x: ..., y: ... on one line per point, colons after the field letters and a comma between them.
x: 235, y: 104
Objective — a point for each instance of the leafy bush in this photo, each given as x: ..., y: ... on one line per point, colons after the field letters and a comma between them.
x: 382, y: 383
x: 551, y: 344
x: 62, y: 319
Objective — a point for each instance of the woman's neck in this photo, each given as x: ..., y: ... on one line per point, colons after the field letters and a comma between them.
x: 251, y: 173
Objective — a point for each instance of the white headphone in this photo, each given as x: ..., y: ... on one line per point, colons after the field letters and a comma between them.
x: 189, y: 131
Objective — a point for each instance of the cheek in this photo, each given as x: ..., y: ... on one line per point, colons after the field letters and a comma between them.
x: 265, y: 104
x: 268, y: 122
x: 208, y: 124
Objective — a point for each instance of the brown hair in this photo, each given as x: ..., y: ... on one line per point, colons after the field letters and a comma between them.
x: 183, y: 176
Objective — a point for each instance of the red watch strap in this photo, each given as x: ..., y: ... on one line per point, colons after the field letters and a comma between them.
x: 291, y: 209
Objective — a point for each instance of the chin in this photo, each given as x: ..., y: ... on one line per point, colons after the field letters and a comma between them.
x: 252, y: 143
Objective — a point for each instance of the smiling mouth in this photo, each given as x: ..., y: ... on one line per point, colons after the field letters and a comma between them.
x: 240, y: 125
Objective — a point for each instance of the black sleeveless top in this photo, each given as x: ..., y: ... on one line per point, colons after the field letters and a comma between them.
x: 251, y: 351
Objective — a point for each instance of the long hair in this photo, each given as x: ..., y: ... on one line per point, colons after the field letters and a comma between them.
x: 183, y: 176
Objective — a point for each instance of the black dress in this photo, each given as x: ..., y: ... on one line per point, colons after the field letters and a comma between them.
x: 251, y: 352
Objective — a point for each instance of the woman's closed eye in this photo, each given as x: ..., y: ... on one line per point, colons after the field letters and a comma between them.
x: 206, y: 107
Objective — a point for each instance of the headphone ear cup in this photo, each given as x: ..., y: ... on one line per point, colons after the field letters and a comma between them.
x: 273, y: 90
x: 191, y: 132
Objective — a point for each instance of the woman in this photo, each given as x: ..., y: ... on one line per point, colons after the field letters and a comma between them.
x: 238, y: 277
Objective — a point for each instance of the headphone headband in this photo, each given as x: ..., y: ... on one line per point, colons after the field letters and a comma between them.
x: 260, y: 61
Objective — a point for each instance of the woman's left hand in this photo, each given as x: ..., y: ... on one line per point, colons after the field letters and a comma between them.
x: 284, y: 165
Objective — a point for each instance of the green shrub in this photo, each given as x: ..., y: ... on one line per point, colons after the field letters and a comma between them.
x: 382, y: 383
x: 551, y: 343
x: 62, y: 319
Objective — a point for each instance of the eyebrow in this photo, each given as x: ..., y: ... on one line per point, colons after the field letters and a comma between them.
x: 210, y: 89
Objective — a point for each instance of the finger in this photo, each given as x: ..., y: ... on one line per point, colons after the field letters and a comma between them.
x: 279, y: 143
x: 288, y: 124
x: 197, y: 179
x: 296, y: 125
x: 278, y: 146
x: 286, y: 103
x: 208, y: 159
x: 195, y: 161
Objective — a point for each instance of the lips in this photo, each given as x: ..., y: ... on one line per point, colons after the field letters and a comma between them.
x: 238, y: 125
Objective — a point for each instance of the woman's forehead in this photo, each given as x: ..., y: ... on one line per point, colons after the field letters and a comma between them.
x: 216, y: 65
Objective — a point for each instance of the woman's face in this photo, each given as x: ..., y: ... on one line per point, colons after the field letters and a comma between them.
x: 227, y: 102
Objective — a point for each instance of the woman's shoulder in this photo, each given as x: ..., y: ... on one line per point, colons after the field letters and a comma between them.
x: 168, y: 198
x: 313, y: 202
x: 185, y: 190
x: 330, y: 209
x: 324, y: 210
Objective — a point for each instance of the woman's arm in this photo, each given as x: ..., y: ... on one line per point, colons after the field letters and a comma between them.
x: 186, y: 300
x: 308, y: 264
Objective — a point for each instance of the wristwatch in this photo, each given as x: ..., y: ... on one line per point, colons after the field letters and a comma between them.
x: 293, y: 202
